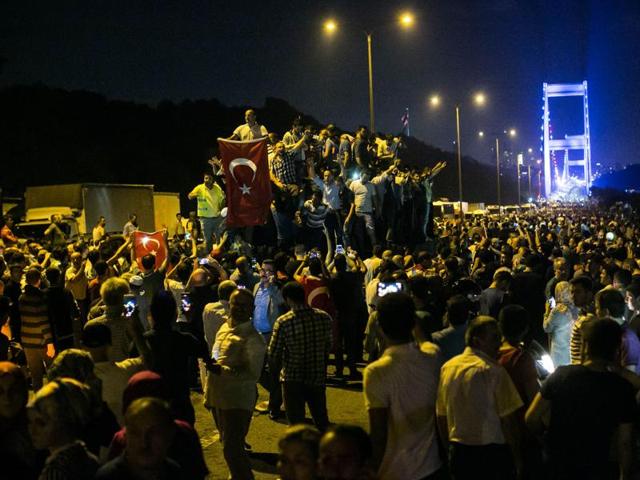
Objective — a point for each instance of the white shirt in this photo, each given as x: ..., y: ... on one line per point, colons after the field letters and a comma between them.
x: 114, y: 377
x: 404, y: 380
x: 214, y: 316
x: 475, y: 392
x: 240, y: 352
x: 363, y: 196
x: 246, y: 132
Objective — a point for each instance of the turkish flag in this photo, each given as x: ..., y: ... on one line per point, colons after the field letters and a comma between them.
x: 150, y: 243
x: 246, y: 170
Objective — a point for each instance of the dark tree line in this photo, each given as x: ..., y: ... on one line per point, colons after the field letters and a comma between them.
x: 53, y: 136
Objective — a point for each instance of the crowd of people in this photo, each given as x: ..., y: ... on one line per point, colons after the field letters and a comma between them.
x: 446, y: 322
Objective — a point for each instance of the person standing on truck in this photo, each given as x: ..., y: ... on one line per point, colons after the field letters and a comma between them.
x: 210, y: 199
x: 179, y: 227
x: 6, y: 235
x: 99, y: 232
x: 54, y: 234
x: 131, y: 226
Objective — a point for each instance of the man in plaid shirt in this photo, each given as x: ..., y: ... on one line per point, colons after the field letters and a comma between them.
x: 299, y: 348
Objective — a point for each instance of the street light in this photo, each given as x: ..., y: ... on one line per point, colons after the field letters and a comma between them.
x: 330, y: 26
x: 479, y: 99
x: 406, y: 20
x: 511, y: 133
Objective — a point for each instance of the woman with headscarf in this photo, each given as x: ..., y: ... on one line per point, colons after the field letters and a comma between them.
x: 58, y: 415
x: 18, y: 456
x: 558, y: 324
x: 185, y: 448
x: 102, y: 424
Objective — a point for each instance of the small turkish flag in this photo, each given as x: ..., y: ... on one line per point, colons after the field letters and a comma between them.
x: 246, y: 170
x: 150, y: 243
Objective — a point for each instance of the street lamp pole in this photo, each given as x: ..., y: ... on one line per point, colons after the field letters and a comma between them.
x: 370, y: 59
x: 498, y: 170
x: 459, y: 159
x: 529, y: 178
x: 518, y: 172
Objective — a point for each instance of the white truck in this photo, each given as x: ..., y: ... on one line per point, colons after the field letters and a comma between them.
x: 82, y: 204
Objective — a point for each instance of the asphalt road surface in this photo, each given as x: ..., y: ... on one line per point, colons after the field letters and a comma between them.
x: 344, y: 402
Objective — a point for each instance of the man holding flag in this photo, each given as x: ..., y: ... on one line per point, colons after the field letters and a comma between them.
x: 210, y: 199
x: 248, y: 186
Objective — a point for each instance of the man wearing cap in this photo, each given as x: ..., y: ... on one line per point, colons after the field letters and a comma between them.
x: 210, y: 199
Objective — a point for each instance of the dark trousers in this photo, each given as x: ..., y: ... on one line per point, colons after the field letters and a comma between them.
x: 270, y: 380
x: 315, y: 238
x: 480, y: 462
x: 333, y: 224
x: 297, y: 395
x: 346, y: 341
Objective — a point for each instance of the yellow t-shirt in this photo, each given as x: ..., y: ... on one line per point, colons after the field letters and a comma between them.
x: 210, y: 200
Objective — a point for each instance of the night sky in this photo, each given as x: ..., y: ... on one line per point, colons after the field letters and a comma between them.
x: 241, y: 52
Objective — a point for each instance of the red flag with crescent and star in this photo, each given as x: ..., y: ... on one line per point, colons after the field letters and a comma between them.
x: 246, y: 169
x: 150, y: 243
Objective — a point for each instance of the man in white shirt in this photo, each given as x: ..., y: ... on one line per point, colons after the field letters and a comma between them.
x: 96, y: 339
x: 476, y: 408
x: 238, y: 353
x: 400, y: 391
x: 366, y: 200
x: 251, y: 130
x: 216, y: 314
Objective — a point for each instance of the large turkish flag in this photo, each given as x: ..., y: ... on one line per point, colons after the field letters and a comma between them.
x: 246, y: 170
x: 150, y: 243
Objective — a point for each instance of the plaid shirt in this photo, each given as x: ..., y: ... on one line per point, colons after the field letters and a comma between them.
x: 283, y: 168
x: 300, y: 345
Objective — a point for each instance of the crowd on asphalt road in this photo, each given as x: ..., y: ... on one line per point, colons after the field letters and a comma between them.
x: 496, y: 346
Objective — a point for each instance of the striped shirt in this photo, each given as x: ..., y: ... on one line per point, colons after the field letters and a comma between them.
x: 34, y: 312
x: 300, y: 344
x: 314, y: 216
x: 576, y: 338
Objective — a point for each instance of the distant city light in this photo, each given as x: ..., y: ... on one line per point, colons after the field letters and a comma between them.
x: 480, y: 99
x: 434, y: 101
x: 512, y: 132
x: 481, y: 134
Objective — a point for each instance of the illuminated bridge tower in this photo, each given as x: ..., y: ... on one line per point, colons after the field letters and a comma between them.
x: 581, y: 143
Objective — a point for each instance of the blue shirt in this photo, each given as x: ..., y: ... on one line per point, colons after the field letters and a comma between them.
x: 450, y: 340
x: 261, y: 311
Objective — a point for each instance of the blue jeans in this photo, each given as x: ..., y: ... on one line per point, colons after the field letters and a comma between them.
x: 210, y: 225
x: 285, y: 227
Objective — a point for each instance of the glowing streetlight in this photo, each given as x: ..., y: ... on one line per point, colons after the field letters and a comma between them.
x: 512, y: 132
x: 530, y: 150
x: 330, y: 26
x: 481, y: 134
x: 407, y: 19
x: 480, y: 99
